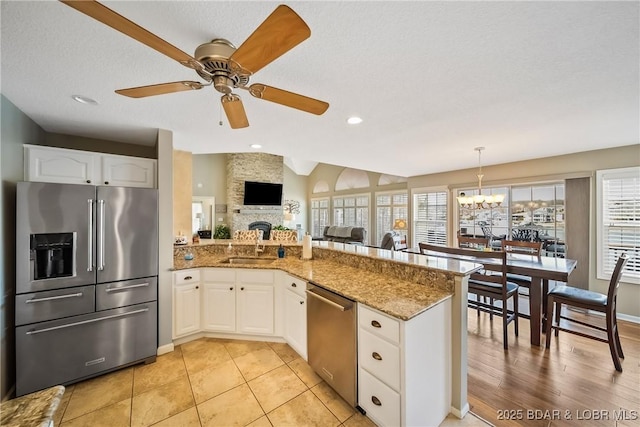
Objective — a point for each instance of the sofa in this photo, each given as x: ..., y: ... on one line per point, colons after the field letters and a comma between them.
x: 345, y: 234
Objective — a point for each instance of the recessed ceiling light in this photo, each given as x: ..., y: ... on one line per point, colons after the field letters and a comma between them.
x: 354, y: 120
x: 256, y: 146
x: 84, y: 100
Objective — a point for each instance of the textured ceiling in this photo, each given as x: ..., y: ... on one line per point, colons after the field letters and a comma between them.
x: 432, y: 80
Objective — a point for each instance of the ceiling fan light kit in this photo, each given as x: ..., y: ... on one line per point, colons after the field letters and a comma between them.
x: 219, y: 63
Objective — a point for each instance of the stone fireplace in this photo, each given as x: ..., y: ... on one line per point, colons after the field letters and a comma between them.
x: 260, y: 167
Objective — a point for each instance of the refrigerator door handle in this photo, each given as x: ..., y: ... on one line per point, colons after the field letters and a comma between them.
x: 101, y: 235
x: 124, y: 288
x: 90, y: 234
x: 32, y: 300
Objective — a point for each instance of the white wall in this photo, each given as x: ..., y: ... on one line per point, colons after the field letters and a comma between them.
x: 16, y: 129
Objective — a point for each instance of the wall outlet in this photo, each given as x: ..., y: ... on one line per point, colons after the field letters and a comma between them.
x: 219, y: 219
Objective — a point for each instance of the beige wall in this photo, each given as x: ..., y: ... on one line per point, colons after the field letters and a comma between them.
x: 331, y: 173
x: 182, y: 184
x: 99, y: 145
x: 210, y: 180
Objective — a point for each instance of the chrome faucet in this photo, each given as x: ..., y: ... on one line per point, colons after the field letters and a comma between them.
x: 259, y: 246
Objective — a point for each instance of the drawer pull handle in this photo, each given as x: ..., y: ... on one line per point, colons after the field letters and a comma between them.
x: 376, y: 324
x: 376, y: 355
x: 301, y: 302
x: 124, y: 288
x: 32, y: 300
x: 84, y: 322
x: 188, y: 277
x: 293, y: 285
x: 231, y: 288
x: 376, y: 401
x: 242, y: 289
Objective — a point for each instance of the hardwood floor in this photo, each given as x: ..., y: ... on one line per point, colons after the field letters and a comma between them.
x: 572, y: 383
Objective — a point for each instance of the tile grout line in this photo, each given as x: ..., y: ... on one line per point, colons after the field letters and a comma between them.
x: 195, y: 404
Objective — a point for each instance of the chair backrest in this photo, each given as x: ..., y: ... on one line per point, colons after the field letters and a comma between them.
x: 261, y: 225
x: 522, y: 247
x: 473, y: 242
x: 525, y: 234
x: 495, y: 261
x: 393, y: 240
x: 614, y: 283
x: 247, y: 235
x: 284, y: 235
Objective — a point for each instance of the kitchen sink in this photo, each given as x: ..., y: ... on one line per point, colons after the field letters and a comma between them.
x: 245, y: 260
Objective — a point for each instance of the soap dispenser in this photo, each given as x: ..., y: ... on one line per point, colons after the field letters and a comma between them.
x: 281, y: 251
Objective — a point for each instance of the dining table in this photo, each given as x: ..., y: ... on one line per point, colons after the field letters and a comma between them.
x: 541, y: 269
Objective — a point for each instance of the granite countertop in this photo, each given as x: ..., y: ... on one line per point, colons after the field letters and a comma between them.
x: 377, y: 278
x: 35, y: 409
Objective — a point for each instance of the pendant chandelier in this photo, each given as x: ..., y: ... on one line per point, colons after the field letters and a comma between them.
x: 480, y: 201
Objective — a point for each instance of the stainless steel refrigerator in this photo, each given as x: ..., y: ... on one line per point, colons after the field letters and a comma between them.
x: 87, y: 275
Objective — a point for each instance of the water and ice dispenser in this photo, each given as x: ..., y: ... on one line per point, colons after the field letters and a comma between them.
x: 52, y: 255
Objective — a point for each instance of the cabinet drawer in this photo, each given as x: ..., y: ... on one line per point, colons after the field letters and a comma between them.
x: 224, y: 275
x: 295, y: 285
x: 379, y: 324
x: 255, y: 276
x: 66, y: 350
x: 381, y: 403
x: 49, y: 305
x: 127, y: 292
x: 186, y: 276
x: 380, y: 358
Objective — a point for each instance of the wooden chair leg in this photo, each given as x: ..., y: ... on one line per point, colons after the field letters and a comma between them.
x: 505, y: 335
x: 558, y: 310
x: 617, y: 336
x: 611, y: 338
x: 515, y: 312
x: 549, y: 315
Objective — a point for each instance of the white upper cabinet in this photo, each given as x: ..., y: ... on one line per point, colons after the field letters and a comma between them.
x: 61, y: 165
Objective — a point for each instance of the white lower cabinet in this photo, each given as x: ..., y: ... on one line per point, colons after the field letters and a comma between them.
x: 404, y: 366
x: 295, y: 322
x: 186, y: 302
x: 219, y: 300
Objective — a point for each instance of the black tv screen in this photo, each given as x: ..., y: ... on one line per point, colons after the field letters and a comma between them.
x: 262, y: 193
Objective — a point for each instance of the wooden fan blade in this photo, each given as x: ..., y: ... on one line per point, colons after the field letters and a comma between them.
x: 234, y: 110
x: 159, y: 89
x: 280, y: 32
x: 118, y: 22
x: 288, y: 99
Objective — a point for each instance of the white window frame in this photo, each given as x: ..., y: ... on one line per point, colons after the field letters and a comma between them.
x: 312, y: 219
x: 380, y: 232
x: 606, y: 256
x: 354, y: 196
x: 413, y: 207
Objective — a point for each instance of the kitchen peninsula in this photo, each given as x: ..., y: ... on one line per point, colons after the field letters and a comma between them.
x: 422, y: 298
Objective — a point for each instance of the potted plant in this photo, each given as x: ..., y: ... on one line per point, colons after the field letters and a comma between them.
x: 280, y: 227
x: 222, y: 231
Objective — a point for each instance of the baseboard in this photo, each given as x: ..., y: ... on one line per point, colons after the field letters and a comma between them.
x: 460, y: 413
x: 164, y: 349
x: 10, y: 393
x: 619, y: 316
x: 629, y: 318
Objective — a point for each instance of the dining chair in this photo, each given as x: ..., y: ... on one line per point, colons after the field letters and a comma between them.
x: 252, y: 235
x: 493, y: 286
x: 473, y: 242
x: 527, y: 248
x: 589, y: 300
x: 284, y: 235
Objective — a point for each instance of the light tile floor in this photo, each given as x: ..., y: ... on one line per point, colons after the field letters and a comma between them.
x: 215, y: 382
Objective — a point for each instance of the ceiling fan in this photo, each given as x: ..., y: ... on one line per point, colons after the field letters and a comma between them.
x: 218, y: 62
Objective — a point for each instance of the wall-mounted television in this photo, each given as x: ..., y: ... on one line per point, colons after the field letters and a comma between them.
x: 262, y: 193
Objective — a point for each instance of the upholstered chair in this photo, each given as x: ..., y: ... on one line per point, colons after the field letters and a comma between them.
x: 284, y: 235
x: 252, y: 235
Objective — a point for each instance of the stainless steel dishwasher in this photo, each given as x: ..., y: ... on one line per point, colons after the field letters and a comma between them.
x: 331, y: 340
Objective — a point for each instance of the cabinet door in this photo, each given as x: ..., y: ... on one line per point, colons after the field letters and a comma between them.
x: 255, y: 308
x: 295, y: 322
x: 186, y: 309
x: 127, y: 171
x: 219, y: 307
x: 45, y: 164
